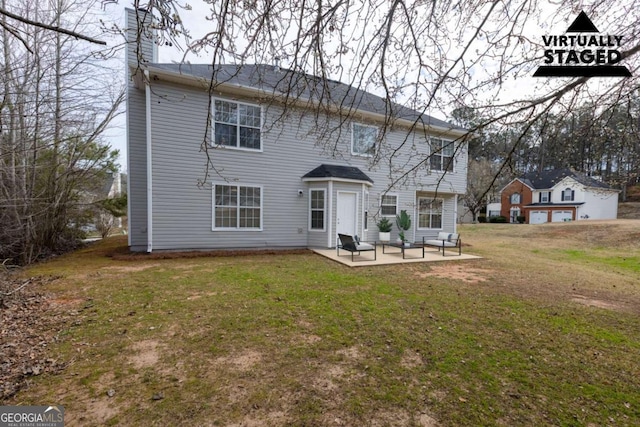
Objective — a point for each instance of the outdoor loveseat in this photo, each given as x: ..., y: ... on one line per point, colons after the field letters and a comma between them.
x: 445, y: 240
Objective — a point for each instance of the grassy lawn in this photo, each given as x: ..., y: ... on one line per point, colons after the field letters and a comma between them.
x: 544, y: 330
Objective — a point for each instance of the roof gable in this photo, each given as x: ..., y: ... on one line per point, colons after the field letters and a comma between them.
x: 548, y: 179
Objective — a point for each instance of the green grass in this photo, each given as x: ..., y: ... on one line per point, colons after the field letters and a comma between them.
x: 606, y: 258
x: 299, y: 340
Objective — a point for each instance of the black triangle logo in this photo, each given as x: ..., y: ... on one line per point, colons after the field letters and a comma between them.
x: 582, y: 24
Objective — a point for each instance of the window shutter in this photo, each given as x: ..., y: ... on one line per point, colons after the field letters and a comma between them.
x: 539, y: 197
x: 573, y: 192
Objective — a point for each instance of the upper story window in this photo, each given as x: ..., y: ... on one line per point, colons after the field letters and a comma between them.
x: 515, y: 198
x: 441, y: 155
x: 389, y: 205
x: 237, y: 125
x: 545, y: 197
x: 363, y: 139
x: 567, y: 195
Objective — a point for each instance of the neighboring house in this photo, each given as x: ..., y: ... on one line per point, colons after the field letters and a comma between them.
x: 464, y: 214
x: 493, y: 209
x: 115, y: 185
x: 558, y: 195
x: 278, y: 181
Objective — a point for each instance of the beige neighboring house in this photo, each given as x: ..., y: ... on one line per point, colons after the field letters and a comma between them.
x: 114, y: 186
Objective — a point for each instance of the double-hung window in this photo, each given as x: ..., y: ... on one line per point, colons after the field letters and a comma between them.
x: 430, y: 212
x: 441, y: 155
x: 567, y: 195
x: 237, y: 125
x: 363, y: 139
x: 389, y: 205
x: 317, y: 203
x: 237, y: 207
x: 515, y: 199
x: 545, y: 197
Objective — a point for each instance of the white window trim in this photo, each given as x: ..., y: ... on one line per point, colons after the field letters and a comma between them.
x: 453, y: 156
x: 353, y: 152
x: 324, y: 210
x: 542, y: 193
x: 213, y: 207
x: 570, y: 191
x: 397, y: 203
x: 237, y: 148
x: 519, y: 199
x: 418, y: 214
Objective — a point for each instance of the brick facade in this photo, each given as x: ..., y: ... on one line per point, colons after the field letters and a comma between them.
x: 526, y: 195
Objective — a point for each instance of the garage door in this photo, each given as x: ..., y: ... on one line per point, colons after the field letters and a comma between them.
x: 559, y: 216
x: 537, y: 217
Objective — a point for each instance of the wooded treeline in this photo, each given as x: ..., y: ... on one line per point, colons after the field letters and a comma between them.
x: 57, y: 100
x: 601, y: 143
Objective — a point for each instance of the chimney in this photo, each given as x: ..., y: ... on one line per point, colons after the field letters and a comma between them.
x: 140, y: 35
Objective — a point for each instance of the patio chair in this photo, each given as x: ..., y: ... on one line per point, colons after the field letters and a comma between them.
x: 445, y: 240
x: 348, y: 243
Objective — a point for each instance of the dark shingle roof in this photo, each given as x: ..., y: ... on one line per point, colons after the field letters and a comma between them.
x: 297, y: 85
x: 336, y: 171
x: 549, y: 178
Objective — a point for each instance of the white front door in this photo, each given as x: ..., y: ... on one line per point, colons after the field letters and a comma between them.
x: 515, y: 213
x: 346, y: 213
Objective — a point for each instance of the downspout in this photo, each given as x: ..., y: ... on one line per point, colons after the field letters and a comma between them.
x: 330, y: 216
x: 363, y: 209
x: 128, y: 163
x: 147, y: 90
x: 414, y: 228
x: 455, y: 213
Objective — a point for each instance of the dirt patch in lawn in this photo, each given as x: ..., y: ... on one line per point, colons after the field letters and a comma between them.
x: 145, y: 355
x: 457, y: 272
x: 129, y: 268
x: 242, y: 361
x: 610, y: 305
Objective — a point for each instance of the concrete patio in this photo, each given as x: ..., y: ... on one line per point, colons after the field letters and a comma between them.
x: 393, y: 256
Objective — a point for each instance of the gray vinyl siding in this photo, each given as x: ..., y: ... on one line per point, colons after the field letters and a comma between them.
x: 182, y: 211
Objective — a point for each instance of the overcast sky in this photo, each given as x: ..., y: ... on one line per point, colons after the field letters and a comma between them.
x: 513, y: 87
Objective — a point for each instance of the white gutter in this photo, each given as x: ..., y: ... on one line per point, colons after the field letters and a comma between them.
x: 147, y: 91
x: 330, y: 215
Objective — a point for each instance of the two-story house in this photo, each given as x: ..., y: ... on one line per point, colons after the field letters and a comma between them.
x: 286, y: 168
x: 558, y: 195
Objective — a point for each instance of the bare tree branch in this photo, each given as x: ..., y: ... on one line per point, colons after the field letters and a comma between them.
x: 51, y: 27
